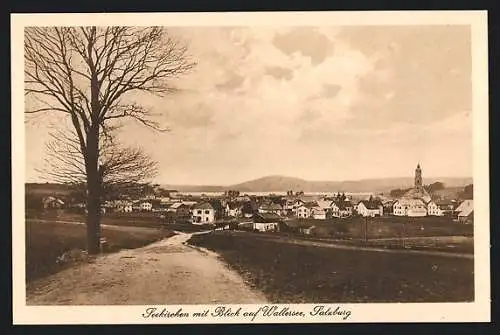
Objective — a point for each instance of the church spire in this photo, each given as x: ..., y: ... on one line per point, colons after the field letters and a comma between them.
x: 418, y: 176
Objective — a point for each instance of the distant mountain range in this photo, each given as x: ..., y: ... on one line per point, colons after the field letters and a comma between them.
x: 283, y: 184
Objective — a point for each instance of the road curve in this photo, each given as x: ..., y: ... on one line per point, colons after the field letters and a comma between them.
x: 167, y: 272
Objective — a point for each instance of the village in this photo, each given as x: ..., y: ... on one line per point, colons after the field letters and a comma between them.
x: 225, y: 165
x: 268, y: 212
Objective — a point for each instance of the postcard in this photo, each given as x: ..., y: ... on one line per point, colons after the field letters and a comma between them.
x: 272, y: 167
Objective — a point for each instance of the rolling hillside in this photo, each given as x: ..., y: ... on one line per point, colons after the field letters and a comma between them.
x: 283, y: 184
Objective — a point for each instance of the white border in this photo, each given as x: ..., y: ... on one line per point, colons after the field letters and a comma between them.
x: 478, y: 311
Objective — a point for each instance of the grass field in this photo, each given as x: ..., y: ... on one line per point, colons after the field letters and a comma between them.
x: 134, y: 219
x: 450, y: 244
x: 45, y: 242
x: 289, y: 273
x: 384, y: 227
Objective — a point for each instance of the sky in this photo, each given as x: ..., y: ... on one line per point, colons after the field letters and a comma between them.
x: 318, y: 103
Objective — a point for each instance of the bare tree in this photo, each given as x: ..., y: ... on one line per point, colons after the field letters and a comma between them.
x: 87, y: 73
x: 120, y: 168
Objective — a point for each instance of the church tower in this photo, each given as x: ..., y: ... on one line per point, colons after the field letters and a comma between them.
x: 418, y: 177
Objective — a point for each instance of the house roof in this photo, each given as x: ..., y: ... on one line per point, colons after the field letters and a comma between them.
x: 310, y: 205
x: 271, y: 206
x: 465, y: 205
x: 324, y: 203
x: 176, y: 205
x: 417, y: 193
x: 467, y: 212
x: 342, y: 205
x: 234, y: 205
x: 445, y: 203
x: 410, y: 202
x: 318, y: 209
x: 267, y: 217
x: 203, y: 205
x: 308, y: 198
x: 374, y: 204
x: 53, y: 199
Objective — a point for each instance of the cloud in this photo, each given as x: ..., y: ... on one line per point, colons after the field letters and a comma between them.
x: 313, y: 102
x: 312, y: 44
x: 328, y: 91
x: 421, y: 74
x: 234, y: 81
x: 279, y: 72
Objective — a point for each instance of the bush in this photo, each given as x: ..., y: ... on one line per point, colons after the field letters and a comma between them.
x: 233, y: 225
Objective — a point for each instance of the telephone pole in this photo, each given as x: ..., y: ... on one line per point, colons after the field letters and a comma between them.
x: 366, y: 229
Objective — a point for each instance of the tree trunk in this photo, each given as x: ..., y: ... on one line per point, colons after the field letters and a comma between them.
x: 94, y: 185
x: 93, y: 195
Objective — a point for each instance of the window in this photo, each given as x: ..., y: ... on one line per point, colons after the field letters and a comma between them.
x: 199, y: 211
x: 207, y: 212
x: 206, y: 219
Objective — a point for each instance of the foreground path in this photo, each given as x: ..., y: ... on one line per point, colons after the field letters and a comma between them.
x: 166, y: 272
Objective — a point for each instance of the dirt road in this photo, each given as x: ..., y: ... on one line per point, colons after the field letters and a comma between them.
x: 166, y: 272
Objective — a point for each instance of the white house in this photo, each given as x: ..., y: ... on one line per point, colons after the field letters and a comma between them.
x: 164, y: 200
x: 433, y: 209
x: 341, y: 209
x: 466, y: 216
x: 370, y: 208
x: 52, y: 202
x: 173, y: 207
x: 146, y: 206
x: 288, y: 206
x: 326, y: 204
x: 266, y: 222
x: 345, y: 209
x: 303, y: 211
x: 296, y: 204
x: 265, y: 226
x: 409, y: 207
x: 335, y: 210
x: 465, y: 205
x: 233, y: 209
x: 203, y: 213
x: 465, y: 211
x: 318, y: 213
x: 123, y: 206
x: 270, y: 208
x: 447, y: 207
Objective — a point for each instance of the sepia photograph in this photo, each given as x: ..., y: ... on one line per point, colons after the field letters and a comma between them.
x: 320, y: 164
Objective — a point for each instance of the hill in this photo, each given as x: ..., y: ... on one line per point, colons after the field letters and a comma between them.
x: 283, y: 184
x: 43, y: 189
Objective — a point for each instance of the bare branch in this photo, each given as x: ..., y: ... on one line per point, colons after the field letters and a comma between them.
x: 120, y: 166
x: 87, y: 73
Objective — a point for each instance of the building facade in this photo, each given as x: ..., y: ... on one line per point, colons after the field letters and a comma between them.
x: 370, y: 208
x: 433, y: 209
x: 203, y: 213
